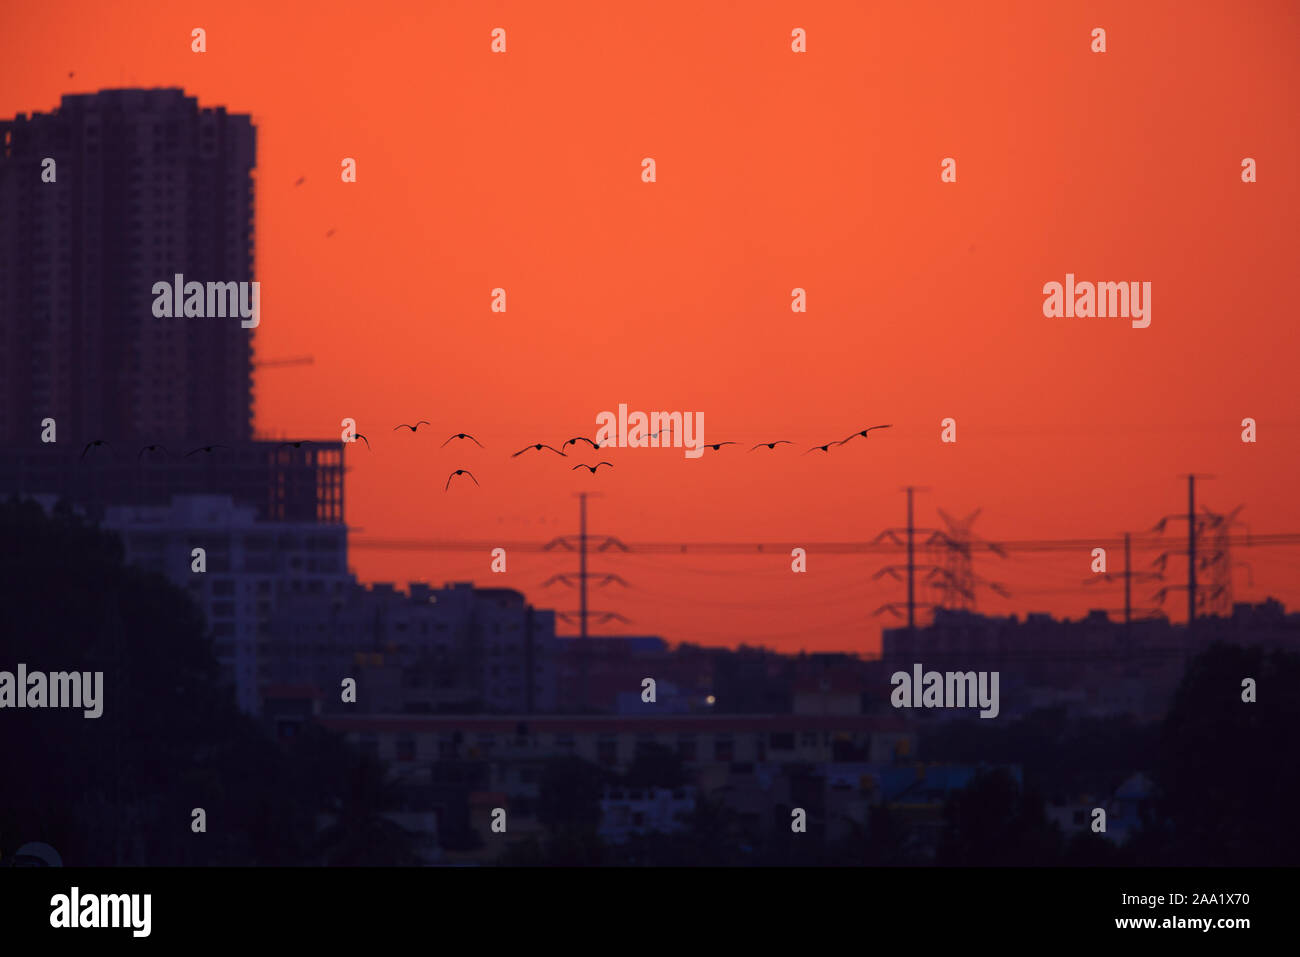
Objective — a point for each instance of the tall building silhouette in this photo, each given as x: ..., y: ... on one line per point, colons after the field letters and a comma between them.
x: 145, y: 185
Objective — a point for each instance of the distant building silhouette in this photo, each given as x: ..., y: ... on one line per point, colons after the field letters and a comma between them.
x: 451, y: 649
x: 461, y: 766
x: 1091, y: 666
x: 147, y: 185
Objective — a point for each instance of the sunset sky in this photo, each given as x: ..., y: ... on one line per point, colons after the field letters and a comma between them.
x: 775, y: 170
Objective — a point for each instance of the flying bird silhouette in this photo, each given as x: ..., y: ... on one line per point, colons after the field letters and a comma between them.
x: 580, y: 438
x: 297, y: 445
x: 459, y: 472
x: 205, y: 448
x: 717, y: 445
x: 358, y: 435
x: 463, y: 435
x: 413, y: 428
x: 864, y: 432
x: 300, y: 181
x: 772, y: 445
x: 824, y: 448
x: 538, y: 446
x: 591, y: 468
x: 152, y: 448
x: 329, y: 234
x: 94, y: 443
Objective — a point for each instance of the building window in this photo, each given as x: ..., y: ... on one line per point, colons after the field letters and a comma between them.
x: 723, y: 748
x: 607, y: 750
x: 405, y: 749
x: 686, y: 747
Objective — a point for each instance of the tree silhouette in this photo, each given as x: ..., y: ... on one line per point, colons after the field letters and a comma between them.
x: 120, y: 789
x: 993, y: 822
x: 361, y: 833
x: 888, y: 842
x: 568, y: 806
x: 1225, y: 772
x: 655, y: 766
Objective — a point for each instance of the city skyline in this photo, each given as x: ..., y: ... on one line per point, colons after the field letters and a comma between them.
x: 927, y: 305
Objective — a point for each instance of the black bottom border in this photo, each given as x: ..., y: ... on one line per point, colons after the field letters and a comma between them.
x: 504, y: 905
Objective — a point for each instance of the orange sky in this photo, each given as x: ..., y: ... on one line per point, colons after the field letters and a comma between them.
x: 775, y: 170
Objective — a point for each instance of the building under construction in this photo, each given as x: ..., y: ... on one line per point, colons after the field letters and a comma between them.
x: 281, y: 482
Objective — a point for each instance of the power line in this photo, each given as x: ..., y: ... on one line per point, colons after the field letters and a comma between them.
x: 824, y: 548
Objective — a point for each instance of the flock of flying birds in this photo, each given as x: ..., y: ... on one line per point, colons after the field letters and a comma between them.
x: 534, y: 447
x: 465, y: 436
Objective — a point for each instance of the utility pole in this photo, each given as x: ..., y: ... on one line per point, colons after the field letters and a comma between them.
x: 1191, y: 554
x: 911, y: 568
x: 584, y: 613
x: 1129, y: 576
x: 1192, y: 585
x: 1128, y: 583
x: 529, y: 675
x: 582, y: 599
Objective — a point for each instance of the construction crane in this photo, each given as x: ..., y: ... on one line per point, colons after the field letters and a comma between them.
x: 294, y: 361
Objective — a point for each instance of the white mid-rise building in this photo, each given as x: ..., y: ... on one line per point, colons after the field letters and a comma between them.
x: 251, y: 567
